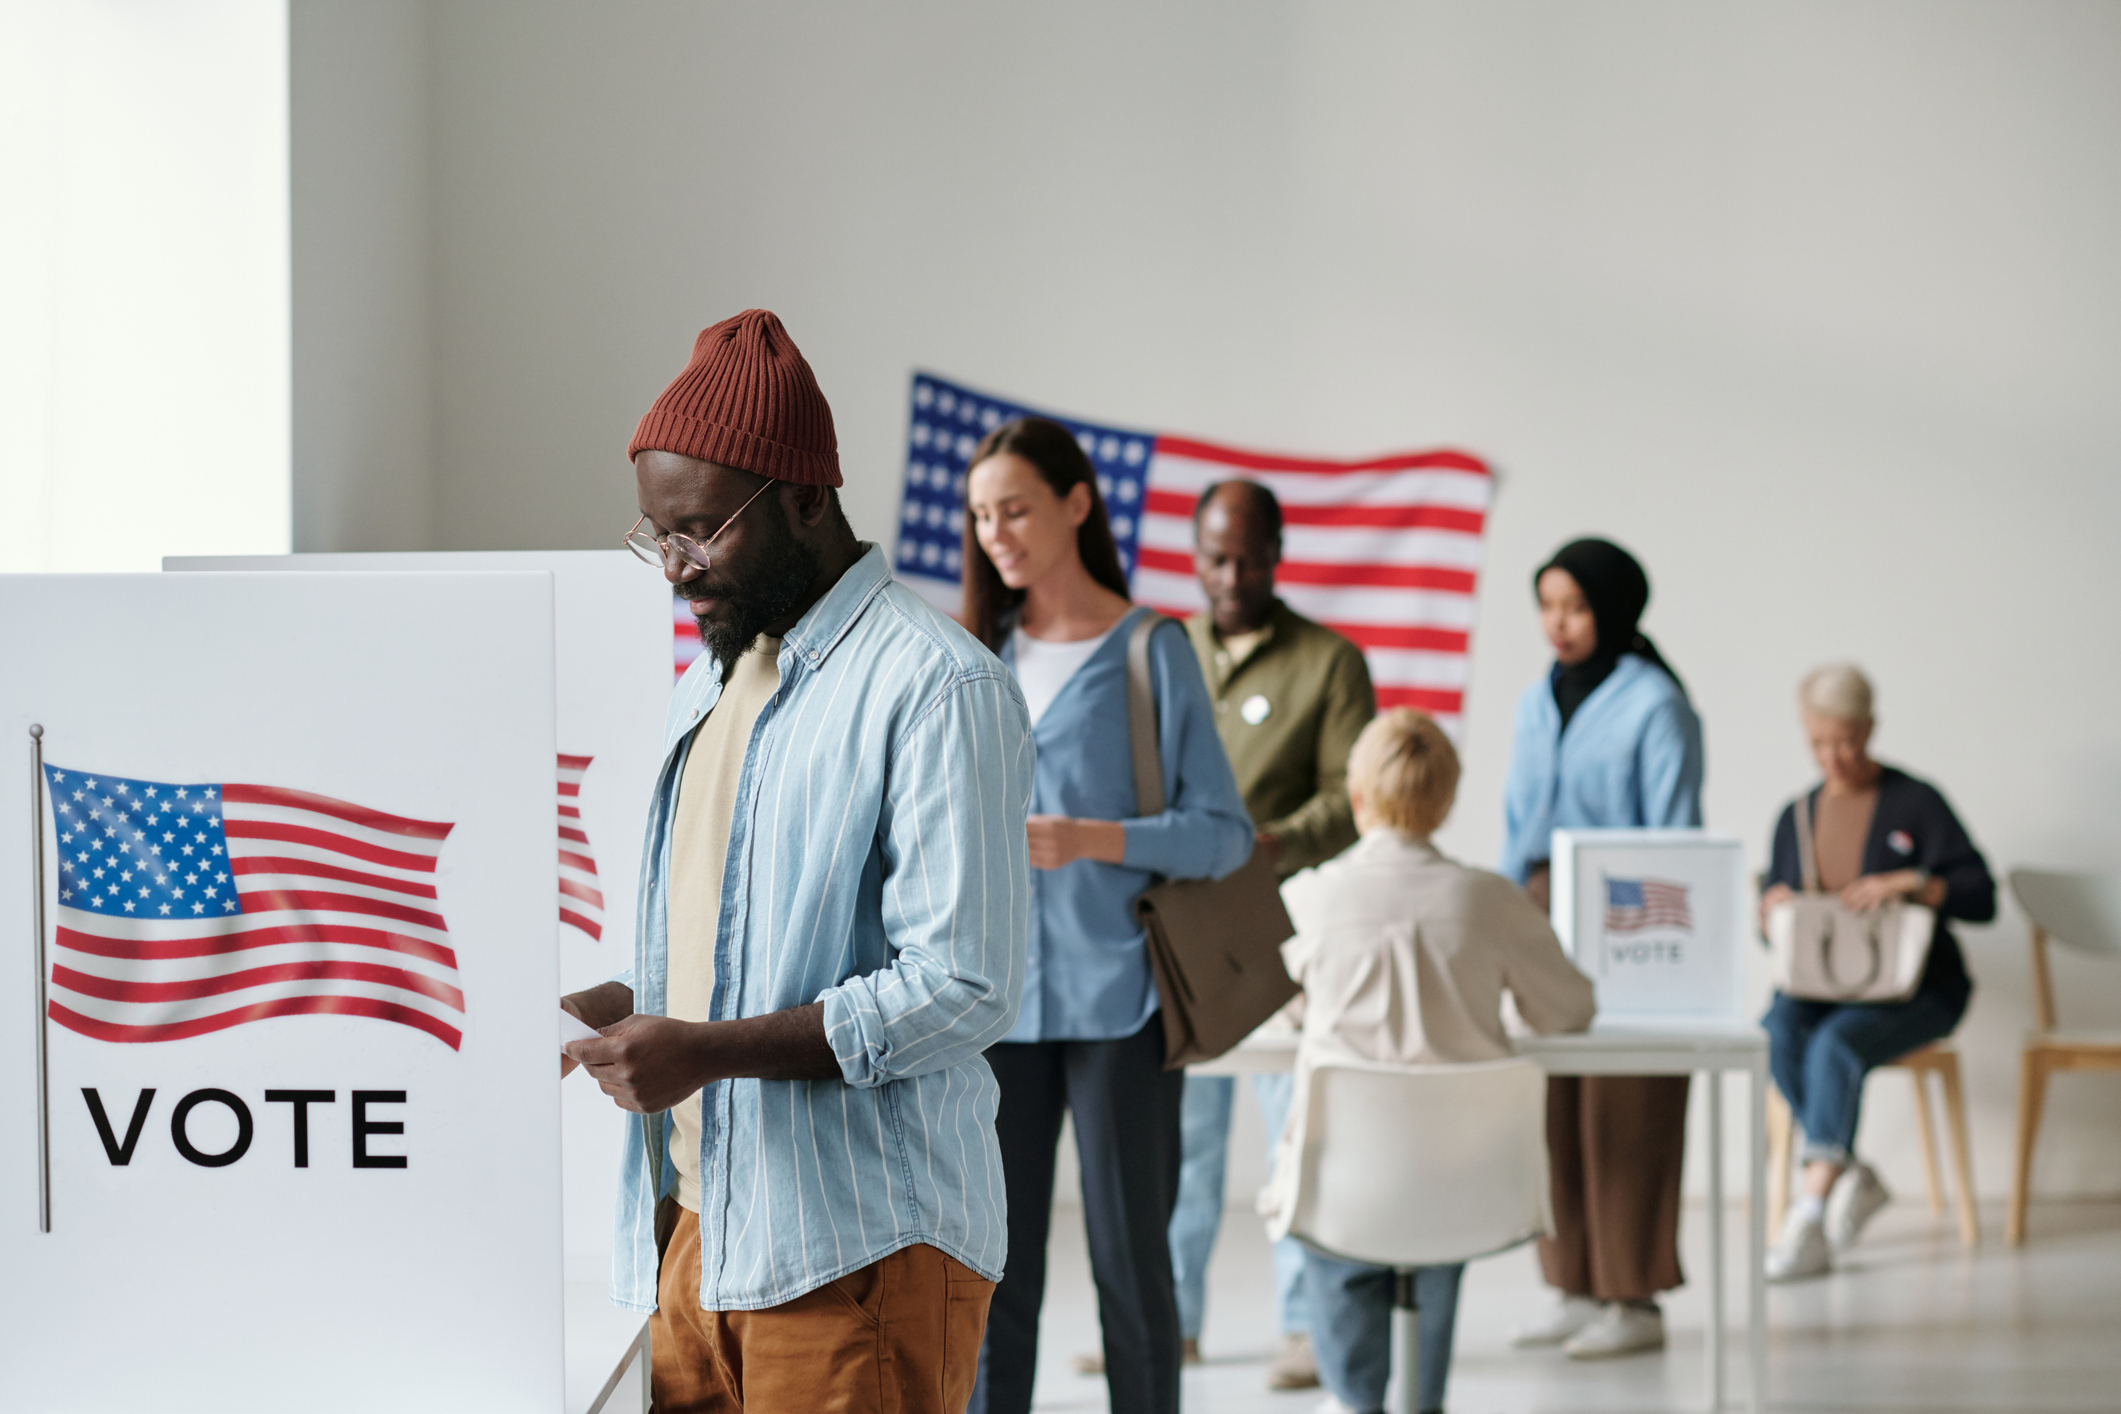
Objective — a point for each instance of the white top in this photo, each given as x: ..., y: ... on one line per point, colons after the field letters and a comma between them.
x: 1044, y: 667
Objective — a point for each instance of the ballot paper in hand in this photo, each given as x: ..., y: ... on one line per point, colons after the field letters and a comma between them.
x: 573, y: 1028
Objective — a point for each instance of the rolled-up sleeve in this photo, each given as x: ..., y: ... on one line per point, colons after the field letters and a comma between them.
x: 1204, y: 831
x: 956, y: 892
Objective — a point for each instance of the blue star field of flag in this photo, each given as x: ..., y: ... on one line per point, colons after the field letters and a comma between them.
x: 947, y: 422
x: 140, y: 849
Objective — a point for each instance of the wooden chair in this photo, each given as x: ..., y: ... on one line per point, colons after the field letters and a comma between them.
x: 1940, y: 1060
x: 2082, y: 911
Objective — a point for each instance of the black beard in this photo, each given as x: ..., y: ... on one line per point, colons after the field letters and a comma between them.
x: 757, y: 593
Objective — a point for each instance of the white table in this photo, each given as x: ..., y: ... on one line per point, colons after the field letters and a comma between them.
x: 1646, y: 1050
x: 603, y: 1341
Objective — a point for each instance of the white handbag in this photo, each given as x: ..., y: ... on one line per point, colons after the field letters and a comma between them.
x: 1824, y: 951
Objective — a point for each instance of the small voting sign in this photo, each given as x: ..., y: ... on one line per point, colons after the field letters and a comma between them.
x: 1656, y: 919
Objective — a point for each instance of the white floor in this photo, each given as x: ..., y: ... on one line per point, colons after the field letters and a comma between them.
x: 1911, y: 1322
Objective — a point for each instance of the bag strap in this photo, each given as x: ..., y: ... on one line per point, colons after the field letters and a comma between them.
x: 1141, y: 720
x: 1807, y: 858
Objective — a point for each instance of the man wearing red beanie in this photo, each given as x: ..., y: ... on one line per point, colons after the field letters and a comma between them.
x: 833, y: 925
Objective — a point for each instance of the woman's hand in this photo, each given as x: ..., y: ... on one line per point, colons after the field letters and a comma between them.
x: 1876, y: 890
x: 1060, y: 839
x: 1771, y: 898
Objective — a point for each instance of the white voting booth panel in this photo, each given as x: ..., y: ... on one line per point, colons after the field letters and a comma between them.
x: 1657, y: 919
x: 611, y: 654
x: 225, y: 1243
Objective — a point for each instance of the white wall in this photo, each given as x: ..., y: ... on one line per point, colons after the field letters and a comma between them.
x: 143, y: 281
x: 363, y: 369
x: 1815, y: 308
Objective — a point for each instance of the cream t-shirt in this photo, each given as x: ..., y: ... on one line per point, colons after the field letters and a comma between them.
x: 699, y: 844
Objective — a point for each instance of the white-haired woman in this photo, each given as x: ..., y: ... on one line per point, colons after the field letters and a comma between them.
x: 1404, y: 956
x: 1878, y: 834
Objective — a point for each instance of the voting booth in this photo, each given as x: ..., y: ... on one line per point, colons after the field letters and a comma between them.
x: 1657, y: 920
x: 611, y: 646
x: 282, y: 1128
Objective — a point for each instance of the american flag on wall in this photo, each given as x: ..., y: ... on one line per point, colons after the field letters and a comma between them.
x: 581, y: 895
x: 190, y: 908
x: 1639, y: 905
x: 1385, y: 550
x: 685, y: 634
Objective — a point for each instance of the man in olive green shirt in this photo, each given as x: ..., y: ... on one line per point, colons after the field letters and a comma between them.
x: 1290, y: 698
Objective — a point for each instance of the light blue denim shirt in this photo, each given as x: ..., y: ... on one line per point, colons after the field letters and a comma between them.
x: 1089, y: 977
x: 1631, y: 758
x: 877, y: 863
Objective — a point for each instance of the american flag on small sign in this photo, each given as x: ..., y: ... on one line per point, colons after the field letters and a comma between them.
x: 581, y: 896
x: 1638, y: 905
x: 190, y: 908
x: 1385, y: 551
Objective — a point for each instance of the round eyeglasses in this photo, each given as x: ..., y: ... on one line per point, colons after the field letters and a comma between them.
x: 681, y: 553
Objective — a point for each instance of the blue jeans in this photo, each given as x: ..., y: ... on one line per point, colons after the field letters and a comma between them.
x: 1204, y: 1128
x: 1351, y: 1329
x: 1275, y: 1091
x: 1819, y: 1053
x: 1204, y: 1136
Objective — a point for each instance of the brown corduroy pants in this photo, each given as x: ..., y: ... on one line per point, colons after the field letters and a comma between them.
x: 1615, y: 1144
x: 899, y: 1336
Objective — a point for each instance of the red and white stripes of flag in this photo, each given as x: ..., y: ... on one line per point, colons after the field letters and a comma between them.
x: 581, y: 894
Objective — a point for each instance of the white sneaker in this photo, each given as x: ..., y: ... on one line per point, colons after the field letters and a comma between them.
x: 1622, y: 1328
x: 1567, y: 1315
x: 1856, y: 1198
x: 1801, y: 1251
x: 1330, y: 1405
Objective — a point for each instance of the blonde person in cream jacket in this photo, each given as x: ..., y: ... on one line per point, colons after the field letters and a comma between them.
x: 1404, y: 956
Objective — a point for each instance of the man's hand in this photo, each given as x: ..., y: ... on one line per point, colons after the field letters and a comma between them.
x: 1058, y: 840
x: 599, y: 1006
x: 647, y: 1063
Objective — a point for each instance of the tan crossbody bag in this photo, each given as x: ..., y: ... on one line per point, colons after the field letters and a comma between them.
x: 1215, y: 944
x: 1823, y: 951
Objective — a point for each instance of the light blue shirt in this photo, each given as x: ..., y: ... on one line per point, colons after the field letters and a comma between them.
x: 1088, y: 975
x: 877, y: 863
x: 1631, y: 758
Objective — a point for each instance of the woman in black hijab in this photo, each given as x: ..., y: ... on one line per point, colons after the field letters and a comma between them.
x: 1607, y: 741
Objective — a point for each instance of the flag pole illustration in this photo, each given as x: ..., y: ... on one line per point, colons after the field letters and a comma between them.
x: 186, y: 909
x: 36, y: 893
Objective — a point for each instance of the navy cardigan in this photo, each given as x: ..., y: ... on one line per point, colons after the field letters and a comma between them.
x: 1912, y: 828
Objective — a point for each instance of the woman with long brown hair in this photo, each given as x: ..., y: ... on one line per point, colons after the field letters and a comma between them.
x: 1045, y: 590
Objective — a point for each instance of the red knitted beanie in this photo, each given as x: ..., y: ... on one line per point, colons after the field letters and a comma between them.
x: 746, y: 400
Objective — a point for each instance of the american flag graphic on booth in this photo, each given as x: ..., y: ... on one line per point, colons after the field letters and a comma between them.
x: 1639, y: 905
x: 1385, y: 551
x: 581, y: 895
x: 190, y: 908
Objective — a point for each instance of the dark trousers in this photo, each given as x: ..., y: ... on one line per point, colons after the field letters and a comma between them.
x: 1615, y: 1144
x: 1126, y: 1134
x: 1820, y: 1052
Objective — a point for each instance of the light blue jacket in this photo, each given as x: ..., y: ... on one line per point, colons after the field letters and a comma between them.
x: 877, y: 862
x: 1630, y: 758
x: 1088, y: 976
